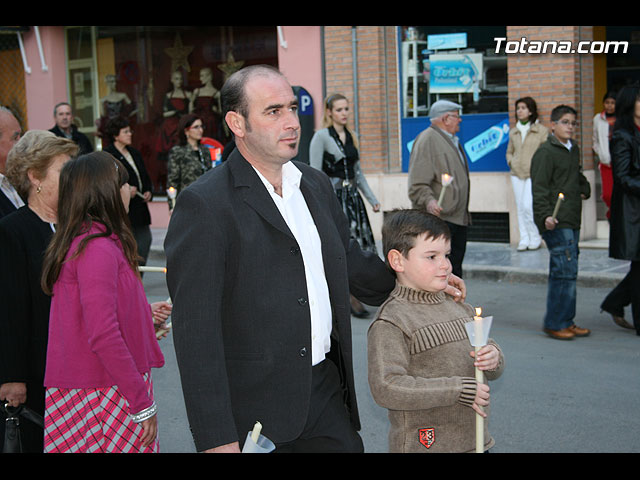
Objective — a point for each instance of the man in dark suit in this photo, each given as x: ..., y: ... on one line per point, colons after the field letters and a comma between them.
x: 10, y: 132
x: 64, y: 127
x: 259, y: 266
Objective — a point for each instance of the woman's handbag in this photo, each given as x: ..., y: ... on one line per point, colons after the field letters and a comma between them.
x: 12, y: 442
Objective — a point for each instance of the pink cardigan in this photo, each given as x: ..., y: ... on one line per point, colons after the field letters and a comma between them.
x: 101, y: 331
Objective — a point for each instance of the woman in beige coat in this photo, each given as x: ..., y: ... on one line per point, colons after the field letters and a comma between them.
x: 524, y: 139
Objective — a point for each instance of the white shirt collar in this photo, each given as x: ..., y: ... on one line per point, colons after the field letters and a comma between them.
x: 291, y: 176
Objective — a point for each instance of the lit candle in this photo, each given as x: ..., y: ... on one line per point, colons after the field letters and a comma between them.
x: 255, y: 434
x: 558, y: 202
x: 144, y: 268
x: 479, y: 379
x: 446, y: 181
x: 172, y: 196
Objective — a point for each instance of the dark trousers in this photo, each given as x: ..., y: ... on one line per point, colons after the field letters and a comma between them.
x: 143, y: 237
x: 328, y: 428
x: 458, y: 247
x: 625, y: 293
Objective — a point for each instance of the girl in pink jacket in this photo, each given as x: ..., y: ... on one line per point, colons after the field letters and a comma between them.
x: 102, y: 343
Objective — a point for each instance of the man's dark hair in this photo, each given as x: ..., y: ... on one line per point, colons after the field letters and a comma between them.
x: 232, y: 94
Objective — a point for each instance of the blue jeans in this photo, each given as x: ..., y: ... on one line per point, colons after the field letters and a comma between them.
x: 563, y: 273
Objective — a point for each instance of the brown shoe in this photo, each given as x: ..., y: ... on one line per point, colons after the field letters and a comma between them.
x: 578, y: 331
x: 564, y: 334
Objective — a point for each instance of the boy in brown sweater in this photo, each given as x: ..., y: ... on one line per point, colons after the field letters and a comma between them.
x: 421, y: 363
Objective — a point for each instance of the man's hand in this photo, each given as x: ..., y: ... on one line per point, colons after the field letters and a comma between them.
x: 228, y: 448
x: 456, y: 288
x: 433, y: 208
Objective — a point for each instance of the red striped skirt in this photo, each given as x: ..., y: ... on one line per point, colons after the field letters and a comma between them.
x: 92, y: 420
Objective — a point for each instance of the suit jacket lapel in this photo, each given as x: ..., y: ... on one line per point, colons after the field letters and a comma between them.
x: 254, y: 193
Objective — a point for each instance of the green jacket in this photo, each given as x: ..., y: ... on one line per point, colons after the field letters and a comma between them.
x: 554, y: 170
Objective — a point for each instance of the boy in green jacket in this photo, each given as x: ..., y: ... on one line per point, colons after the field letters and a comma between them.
x: 556, y: 169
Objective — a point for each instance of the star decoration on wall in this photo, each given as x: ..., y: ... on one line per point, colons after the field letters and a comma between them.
x: 231, y: 66
x: 179, y: 54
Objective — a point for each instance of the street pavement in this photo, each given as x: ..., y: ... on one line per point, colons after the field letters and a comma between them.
x: 576, y: 396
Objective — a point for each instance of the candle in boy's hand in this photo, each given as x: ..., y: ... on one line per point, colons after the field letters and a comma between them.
x: 446, y: 181
x: 255, y: 434
x: 558, y: 202
x: 479, y: 379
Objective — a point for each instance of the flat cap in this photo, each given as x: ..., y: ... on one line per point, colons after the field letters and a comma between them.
x: 443, y: 106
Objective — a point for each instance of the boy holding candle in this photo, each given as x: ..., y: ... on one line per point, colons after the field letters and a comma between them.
x: 556, y: 169
x: 421, y: 363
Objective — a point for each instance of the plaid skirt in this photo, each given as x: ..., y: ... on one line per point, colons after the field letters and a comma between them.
x: 92, y: 420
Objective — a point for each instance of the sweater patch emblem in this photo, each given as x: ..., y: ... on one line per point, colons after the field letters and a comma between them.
x: 427, y: 436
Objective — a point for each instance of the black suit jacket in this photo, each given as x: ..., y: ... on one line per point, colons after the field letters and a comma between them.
x: 6, y: 206
x: 242, y: 330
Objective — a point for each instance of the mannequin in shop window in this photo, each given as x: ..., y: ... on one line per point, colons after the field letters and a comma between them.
x: 176, y: 104
x: 114, y: 104
x: 205, y: 102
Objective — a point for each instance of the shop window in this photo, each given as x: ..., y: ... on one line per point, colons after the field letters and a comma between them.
x: 153, y: 75
x: 454, y: 63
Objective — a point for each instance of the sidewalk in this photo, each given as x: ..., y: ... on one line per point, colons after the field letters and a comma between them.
x: 502, y: 262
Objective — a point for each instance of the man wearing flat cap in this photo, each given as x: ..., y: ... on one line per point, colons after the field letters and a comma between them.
x: 437, y: 151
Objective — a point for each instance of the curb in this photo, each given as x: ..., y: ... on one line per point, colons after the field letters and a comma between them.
x: 515, y: 275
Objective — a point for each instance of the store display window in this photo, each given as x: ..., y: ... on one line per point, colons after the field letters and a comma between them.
x: 454, y: 63
x: 152, y: 75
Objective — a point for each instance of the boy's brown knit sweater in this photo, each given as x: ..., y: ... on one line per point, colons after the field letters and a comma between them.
x: 420, y: 369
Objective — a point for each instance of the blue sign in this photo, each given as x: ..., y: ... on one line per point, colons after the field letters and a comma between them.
x: 454, y: 73
x: 305, y: 102
x: 487, y: 141
x: 478, y: 131
x: 447, y: 41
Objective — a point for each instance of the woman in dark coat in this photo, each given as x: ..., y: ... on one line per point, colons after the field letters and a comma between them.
x: 624, y: 236
x: 33, y: 168
x: 120, y: 135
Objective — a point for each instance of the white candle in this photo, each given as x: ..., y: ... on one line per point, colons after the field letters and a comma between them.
x: 172, y: 196
x: 558, y: 202
x: 144, y: 268
x: 479, y: 379
x: 255, y: 434
x: 446, y: 181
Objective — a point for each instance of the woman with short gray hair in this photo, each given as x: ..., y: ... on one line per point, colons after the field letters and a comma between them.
x: 33, y: 167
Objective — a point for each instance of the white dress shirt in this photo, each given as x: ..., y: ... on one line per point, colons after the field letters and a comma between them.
x: 294, y: 210
x: 10, y: 192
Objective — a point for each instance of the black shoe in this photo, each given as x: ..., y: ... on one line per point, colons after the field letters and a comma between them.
x: 361, y: 314
x: 619, y: 320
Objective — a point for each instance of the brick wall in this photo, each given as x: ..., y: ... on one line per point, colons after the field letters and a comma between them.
x: 551, y: 79
x: 377, y: 94
x: 554, y: 79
